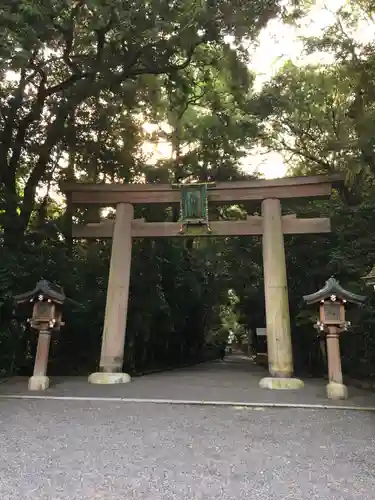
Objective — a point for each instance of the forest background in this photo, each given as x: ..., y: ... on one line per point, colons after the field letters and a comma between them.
x: 134, y: 91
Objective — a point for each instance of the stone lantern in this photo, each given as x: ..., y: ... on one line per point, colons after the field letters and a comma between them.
x: 47, y: 300
x: 369, y: 278
x: 333, y: 300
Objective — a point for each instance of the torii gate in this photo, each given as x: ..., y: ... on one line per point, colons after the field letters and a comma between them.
x: 271, y: 225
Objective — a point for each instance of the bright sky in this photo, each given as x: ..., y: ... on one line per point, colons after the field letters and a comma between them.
x: 277, y: 44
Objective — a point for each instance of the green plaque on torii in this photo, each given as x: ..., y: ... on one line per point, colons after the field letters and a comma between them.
x: 194, y: 208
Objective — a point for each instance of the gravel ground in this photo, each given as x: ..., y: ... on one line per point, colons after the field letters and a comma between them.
x: 87, y: 451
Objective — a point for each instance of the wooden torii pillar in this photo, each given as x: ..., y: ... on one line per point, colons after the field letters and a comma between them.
x: 271, y: 225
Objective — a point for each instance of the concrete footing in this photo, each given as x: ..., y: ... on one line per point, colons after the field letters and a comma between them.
x: 38, y: 383
x: 279, y: 383
x: 337, y: 391
x: 109, y: 378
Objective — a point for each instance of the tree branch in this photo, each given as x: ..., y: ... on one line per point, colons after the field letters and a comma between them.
x: 159, y: 70
x: 32, y: 116
x: 6, y: 136
x: 54, y: 132
x: 307, y: 155
x: 68, y: 34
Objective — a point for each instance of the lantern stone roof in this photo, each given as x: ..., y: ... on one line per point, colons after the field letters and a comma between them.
x: 45, y: 288
x: 333, y: 287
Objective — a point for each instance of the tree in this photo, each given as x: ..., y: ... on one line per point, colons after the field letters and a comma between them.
x: 78, y: 82
x: 206, y: 109
x: 58, y: 55
x: 321, y: 116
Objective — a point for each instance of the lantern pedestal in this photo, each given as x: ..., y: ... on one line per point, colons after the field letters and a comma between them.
x: 109, y: 378
x: 281, y: 383
x: 38, y: 383
x: 335, y: 388
x: 337, y: 391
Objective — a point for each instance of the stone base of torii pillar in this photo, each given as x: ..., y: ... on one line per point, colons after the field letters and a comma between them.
x: 281, y: 383
x: 109, y: 378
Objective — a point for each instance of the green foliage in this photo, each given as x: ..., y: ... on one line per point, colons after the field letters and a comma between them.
x: 320, y: 117
x: 80, y: 84
x: 348, y: 253
x: 77, y: 79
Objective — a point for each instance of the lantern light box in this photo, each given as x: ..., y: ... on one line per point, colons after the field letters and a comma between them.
x: 332, y: 312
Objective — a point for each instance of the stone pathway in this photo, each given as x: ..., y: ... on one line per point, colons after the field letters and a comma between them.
x: 236, y: 380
